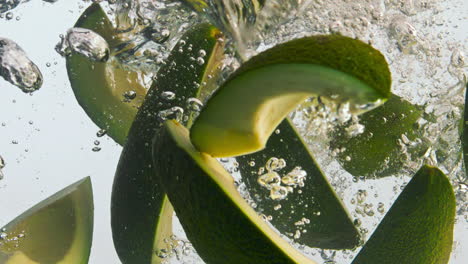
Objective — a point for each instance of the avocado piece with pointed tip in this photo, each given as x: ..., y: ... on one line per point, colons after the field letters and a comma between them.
x: 56, y: 230
x: 244, y: 111
x: 141, y: 215
x: 99, y: 87
x: 418, y: 228
x: 219, y: 223
x: 329, y: 225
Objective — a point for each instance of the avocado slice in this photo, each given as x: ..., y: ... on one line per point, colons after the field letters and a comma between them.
x: 141, y: 215
x: 377, y: 152
x: 99, y: 87
x: 329, y: 225
x: 242, y: 114
x: 418, y: 229
x: 219, y: 223
x: 464, y: 131
x: 56, y: 230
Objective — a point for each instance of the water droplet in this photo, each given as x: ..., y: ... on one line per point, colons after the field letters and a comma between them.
x: 17, y: 68
x: 295, y: 177
x: 101, y: 133
x: 200, y: 61
x: 9, y: 16
x: 8, y: 5
x: 174, y: 113
x: 202, y: 53
x: 278, y: 192
x: 85, y: 42
x: 275, y: 164
x: 129, y: 96
x: 269, y: 179
x: 97, y: 142
x: 2, y: 162
x: 168, y: 95
x: 96, y: 149
x: 194, y: 104
x: 458, y: 59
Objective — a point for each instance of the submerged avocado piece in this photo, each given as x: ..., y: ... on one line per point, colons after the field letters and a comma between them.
x: 377, y: 151
x: 99, y: 87
x: 219, y: 223
x: 242, y: 114
x: 328, y: 225
x: 418, y: 229
x: 141, y: 215
x: 57, y: 230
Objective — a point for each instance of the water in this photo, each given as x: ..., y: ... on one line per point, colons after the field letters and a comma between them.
x: 423, y: 40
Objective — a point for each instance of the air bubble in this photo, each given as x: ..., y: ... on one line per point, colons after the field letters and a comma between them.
x: 168, y: 95
x: 17, y: 68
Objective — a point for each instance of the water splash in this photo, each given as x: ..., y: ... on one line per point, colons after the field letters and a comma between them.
x: 17, y: 68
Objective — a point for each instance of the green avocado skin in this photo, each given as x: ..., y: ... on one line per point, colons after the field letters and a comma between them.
x: 418, y: 229
x: 332, y: 228
x: 205, y: 211
x: 347, y: 55
x: 137, y: 196
x: 376, y: 153
x: 464, y: 131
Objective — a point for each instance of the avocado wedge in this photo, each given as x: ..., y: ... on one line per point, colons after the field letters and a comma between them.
x: 141, y: 215
x: 464, y: 131
x: 328, y: 224
x: 56, y: 230
x: 99, y: 87
x: 219, y: 223
x: 377, y: 151
x: 242, y: 114
x: 418, y: 229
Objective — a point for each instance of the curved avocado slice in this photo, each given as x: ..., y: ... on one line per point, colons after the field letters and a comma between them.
x: 418, y: 229
x: 329, y: 225
x: 377, y: 151
x: 141, y: 215
x: 219, y: 223
x: 242, y: 114
x: 99, y: 87
x: 57, y: 230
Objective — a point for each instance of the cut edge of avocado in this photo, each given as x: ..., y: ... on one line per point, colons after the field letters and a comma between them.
x: 75, y: 203
x: 270, y: 85
x: 220, y: 224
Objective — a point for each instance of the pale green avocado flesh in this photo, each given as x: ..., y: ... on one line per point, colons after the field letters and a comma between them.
x: 377, y: 152
x: 141, y: 215
x: 329, y: 224
x: 99, y: 87
x: 219, y: 223
x: 242, y: 114
x: 418, y: 229
x: 57, y: 230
